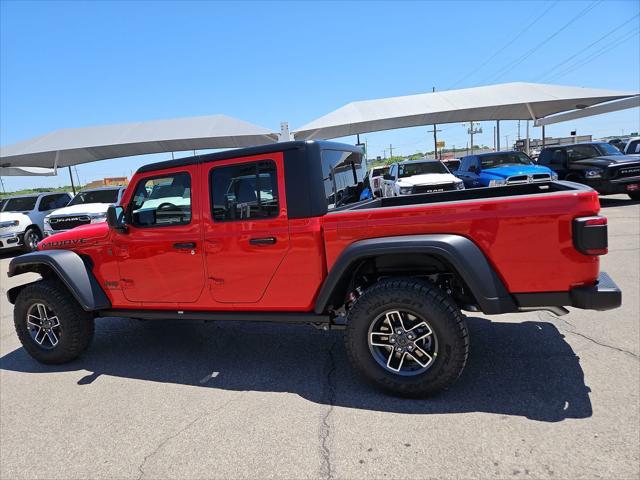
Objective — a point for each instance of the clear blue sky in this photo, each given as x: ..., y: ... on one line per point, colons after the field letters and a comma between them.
x: 73, y: 64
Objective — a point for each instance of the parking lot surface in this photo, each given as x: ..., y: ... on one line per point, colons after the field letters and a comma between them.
x: 541, y: 397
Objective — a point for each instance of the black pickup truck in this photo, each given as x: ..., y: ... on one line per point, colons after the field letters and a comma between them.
x: 600, y: 165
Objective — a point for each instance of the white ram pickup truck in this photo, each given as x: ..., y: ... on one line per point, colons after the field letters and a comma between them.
x: 22, y: 218
x: 419, y: 176
x: 88, y: 206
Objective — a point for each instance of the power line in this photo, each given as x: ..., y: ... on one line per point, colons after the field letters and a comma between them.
x: 564, y: 62
x: 531, y: 51
x: 507, y: 45
x: 597, y: 54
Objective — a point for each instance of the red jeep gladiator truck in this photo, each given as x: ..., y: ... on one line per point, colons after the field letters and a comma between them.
x: 278, y: 233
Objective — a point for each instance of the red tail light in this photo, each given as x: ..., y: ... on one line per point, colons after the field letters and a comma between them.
x: 590, y: 235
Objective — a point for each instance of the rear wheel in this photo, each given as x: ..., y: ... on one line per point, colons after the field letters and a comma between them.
x: 407, y: 337
x: 30, y: 240
x: 635, y: 195
x: 51, y: 325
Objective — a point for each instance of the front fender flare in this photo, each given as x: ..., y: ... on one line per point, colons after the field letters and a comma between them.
x: 69, y: 268
x: 460, y: 252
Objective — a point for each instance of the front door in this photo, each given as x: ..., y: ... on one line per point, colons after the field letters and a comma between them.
x: 161, y: 256
x: 246, y: 230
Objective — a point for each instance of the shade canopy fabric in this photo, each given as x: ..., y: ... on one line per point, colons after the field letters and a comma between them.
x: 73, y: 146
x: 509, y: 101
x: 26, y: 172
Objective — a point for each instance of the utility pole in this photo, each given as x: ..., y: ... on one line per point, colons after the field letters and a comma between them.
x: 472, y: 129
x: 73, y: 187
x: 506, y: 141
x: 518, y: 129
x: 435, y: 135
x: 390, y: 151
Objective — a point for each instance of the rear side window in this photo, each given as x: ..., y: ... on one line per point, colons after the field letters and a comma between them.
x: 343, y: 175
x: 248, y: 191
x: 162, y: 201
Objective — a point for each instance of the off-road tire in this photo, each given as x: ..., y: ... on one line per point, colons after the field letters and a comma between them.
x: 634, y: 195
x: 31, y: 233
x: 433, y: 305
x: 76, y: 325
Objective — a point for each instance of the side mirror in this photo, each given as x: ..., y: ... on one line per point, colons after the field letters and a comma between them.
x: 473, y: 169
x: 115, y: 218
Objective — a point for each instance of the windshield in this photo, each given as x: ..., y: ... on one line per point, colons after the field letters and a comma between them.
x: 608, y: 149
x: 411, y: 169
x: 95, y: 196
x: 20, y: 204
x: 380, y: 171
x: 512, y: 158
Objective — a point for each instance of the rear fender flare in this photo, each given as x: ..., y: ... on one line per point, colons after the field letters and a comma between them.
x: 460, y: 252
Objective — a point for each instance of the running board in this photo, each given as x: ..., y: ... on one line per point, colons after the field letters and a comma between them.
x: 275, y: 317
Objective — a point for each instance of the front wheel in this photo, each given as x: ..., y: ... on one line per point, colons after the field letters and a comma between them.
x: 51, y: 325
x: 407, y: 336
x: 30, y: 240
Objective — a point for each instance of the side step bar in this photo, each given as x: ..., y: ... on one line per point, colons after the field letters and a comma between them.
x: 323, y: 322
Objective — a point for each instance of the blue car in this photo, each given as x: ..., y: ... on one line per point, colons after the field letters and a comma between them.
x: 501, y: 168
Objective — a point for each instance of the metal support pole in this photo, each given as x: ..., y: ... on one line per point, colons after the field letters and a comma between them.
x: 471, y: 133
x: 73, y: 187
x: 498, y: 135
x: 527, y: 141
x: 543, y: 136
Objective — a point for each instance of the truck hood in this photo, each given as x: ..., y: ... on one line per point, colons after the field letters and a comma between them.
x: 85, y: 208
x: 24, y: 220
x: 510, y: 171
x: 605, y: 161
x: 427, y: 179
x: 82, y: 236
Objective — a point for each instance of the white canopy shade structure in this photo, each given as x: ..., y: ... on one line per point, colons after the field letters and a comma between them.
x: 73, y: 146
x: 508, y: 101
x: 26, y: 172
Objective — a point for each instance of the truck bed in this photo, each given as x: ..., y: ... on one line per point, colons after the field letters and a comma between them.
x: 525, y: 231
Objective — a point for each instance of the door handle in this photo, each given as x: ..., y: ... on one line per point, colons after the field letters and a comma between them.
x: 263, y: 241
x: 185, y: 246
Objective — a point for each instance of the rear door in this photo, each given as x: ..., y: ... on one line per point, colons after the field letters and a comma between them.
x: 161, y: 256
x: 246, y: 229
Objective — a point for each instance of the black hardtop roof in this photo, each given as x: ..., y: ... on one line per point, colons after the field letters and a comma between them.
x: 246, y: 152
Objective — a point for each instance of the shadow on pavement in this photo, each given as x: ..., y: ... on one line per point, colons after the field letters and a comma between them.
x: 523, y: 369
x: 10, y: 253
x: 617, y: 202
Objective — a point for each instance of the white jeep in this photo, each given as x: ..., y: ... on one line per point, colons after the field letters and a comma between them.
x: 22, y: 218
x: 419, y: 176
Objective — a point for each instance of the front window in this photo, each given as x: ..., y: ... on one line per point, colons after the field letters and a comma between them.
x: 504, y: 159
x: 633, y: 147
x: 582, y: 152
x: 343, y: 177
x: 608, y: 149
x: 20, y: 204
x: 162, y: 201
x: 95, y: 196
x: 411, y: 169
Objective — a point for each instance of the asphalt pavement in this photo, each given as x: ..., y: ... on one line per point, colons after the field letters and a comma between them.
x: 541, y: 397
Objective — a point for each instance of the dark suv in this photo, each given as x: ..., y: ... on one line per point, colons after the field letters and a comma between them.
x: 598, y: 164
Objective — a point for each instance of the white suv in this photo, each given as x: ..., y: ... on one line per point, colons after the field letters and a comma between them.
x: 88, y: 206
x: 22, y: 218
x: 419, y: 176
